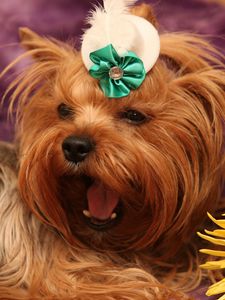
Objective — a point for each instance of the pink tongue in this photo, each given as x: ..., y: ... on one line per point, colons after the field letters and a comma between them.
x: 101, y: 201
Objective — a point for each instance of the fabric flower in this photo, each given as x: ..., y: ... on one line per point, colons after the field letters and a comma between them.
x: 216, y: 237
x: 117, y: 74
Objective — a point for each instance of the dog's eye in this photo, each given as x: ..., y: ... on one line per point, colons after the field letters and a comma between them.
x: 64, y: 111
x: 134, y: 116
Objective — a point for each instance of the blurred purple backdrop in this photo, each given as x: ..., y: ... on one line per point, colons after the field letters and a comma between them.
x: 65, y: 19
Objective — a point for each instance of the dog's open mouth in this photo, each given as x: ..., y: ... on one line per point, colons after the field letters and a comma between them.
x: 103, y: 206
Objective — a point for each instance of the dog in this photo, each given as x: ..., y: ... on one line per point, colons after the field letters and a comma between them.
x: 101, y: 199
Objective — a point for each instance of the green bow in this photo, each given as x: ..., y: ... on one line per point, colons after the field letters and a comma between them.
x: 117, y: 75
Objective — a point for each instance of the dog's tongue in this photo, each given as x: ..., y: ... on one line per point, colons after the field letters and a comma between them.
x: 101, y: 200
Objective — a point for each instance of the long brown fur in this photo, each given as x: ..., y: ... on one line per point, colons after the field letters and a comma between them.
x: 168, y: 171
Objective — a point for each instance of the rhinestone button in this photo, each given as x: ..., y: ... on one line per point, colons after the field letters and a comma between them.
x: 116, y: 73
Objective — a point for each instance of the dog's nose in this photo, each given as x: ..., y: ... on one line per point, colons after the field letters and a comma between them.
x: 76, y: 148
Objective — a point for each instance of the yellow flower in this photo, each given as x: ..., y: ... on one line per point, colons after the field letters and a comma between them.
x: 216, y: 237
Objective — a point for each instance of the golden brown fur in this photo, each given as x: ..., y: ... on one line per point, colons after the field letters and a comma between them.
x: 168, y: 171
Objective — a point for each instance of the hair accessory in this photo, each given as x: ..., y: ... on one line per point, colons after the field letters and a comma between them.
x: 117, y: 75
x: 122, y: 46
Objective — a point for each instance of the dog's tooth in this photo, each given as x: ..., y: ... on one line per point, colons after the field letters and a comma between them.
x: 87, y: 213
x: 113, y: 216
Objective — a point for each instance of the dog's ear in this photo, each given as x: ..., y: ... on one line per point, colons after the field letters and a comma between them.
x: 42, y: 48
x: 197, y: 71
x: 28, y: 37
x: 145, y: 11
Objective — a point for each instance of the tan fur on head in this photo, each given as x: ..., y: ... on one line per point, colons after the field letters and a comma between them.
x: 168, y: 172
x: 144, y: 11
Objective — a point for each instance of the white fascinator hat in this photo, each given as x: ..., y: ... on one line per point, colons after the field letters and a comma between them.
x: 119, y: 48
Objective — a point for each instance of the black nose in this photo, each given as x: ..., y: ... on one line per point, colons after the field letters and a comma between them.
x: 76, y: 148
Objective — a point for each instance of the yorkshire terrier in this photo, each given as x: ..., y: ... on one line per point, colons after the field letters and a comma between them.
x: 101, y: 198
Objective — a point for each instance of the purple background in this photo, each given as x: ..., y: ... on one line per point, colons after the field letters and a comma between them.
x: 66, y: 18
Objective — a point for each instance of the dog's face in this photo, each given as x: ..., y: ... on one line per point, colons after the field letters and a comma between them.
x: 123, y: 173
